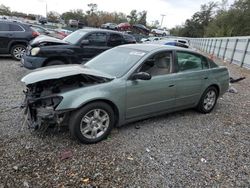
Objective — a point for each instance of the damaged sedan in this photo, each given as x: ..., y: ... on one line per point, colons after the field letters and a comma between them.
x: 121, y: 85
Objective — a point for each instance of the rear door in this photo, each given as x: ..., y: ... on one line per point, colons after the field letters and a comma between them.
x: 97, y: 44
x: 192, y: 75
x: 5, y: 37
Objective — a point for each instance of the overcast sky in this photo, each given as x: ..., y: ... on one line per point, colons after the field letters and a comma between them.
x: 176, y: 11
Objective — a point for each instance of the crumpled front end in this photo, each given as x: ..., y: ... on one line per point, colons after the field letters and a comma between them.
x: 43, y: 97
x: 40, y: 111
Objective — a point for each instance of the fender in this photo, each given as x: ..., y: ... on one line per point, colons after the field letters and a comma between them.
x: 17, y: 42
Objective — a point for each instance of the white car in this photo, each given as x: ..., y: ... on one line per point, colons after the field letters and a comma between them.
x: 160, y: 31
x: 150, y: 39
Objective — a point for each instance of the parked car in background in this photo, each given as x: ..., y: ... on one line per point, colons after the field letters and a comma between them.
x: 150, y: 39
x: 160, y: 31
x: 63, y: 33
x: 42, y: 30
x: 176, y: 43
x: 112, y: 26
x: 14, y: 38
x: 122, y: 85
x: 80, y: 46
x: 73, y: 23
x: 141, y: 28
x: 124, y: 26
x: 43, y: 20
x: 183, y: 41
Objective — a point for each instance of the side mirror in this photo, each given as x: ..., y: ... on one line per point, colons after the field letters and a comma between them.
x: 85, y: 42
x: 141, y: 76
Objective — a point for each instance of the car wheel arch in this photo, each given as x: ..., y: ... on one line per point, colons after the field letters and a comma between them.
x: 109, y: 102
x: 64, y: 60
x: 13, y: 43
x: 216, y: 87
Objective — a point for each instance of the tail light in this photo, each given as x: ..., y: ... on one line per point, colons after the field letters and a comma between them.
x: 35, y: 34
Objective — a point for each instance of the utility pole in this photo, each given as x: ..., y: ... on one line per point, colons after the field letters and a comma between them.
x: 162, y: 18
x: 46, y: 10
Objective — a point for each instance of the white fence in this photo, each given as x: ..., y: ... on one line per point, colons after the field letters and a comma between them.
x: 233, y: 49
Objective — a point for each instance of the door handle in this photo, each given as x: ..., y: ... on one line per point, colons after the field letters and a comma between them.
x: 171, y: 86
x: 205, y: 78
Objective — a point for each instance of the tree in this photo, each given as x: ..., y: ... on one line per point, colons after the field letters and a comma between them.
x: 133, y: 17
x: 142, y: 17
x: 4, y: 10
x: 93, y: 8
x: 75, y: 15
x: 53, y: 17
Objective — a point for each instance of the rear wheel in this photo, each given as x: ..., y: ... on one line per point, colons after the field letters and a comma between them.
x: 54, y: 62
x: 92, y: 123
x: 17, y: 51
x: 208, y: 100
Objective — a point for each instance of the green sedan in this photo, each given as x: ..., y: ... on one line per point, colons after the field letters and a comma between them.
x: 122, y: 85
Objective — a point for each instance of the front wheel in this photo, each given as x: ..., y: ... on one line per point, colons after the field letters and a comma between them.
x: 208, y: 100
x: 92, y: 123
x: 18, y: 51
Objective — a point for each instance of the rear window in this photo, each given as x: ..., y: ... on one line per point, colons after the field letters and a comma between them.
x: 14, y: 27
x: 129, y: 37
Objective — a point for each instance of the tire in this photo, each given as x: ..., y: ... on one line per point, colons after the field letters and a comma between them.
x: 17, y: 51
x: 54, y: 62
x: 164, y: 34
x: 208, y: 100
x: 85, y: 124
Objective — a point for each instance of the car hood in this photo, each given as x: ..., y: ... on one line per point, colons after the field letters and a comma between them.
x: 60, y: 71
x: 43, y: 40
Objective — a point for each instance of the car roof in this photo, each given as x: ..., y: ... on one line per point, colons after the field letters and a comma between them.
x: 15, y: 22
x: 153, y: 47
x: 104, y: 30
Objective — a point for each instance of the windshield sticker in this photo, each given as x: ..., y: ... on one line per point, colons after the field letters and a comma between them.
x: 137, y: 53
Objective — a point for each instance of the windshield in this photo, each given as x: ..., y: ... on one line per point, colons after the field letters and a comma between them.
x: 117, y: 61
x: 74, y: 37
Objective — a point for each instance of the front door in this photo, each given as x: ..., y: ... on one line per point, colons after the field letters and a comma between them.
x: 145, y: 97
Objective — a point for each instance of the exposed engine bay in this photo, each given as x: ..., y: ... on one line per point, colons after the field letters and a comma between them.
x: 41, y: 99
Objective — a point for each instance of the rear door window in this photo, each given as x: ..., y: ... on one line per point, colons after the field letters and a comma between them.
x: 97, y: 39
x: 15, y: 27
x: 4, y: 27
x: 115, y: 40
x: 188, y: 62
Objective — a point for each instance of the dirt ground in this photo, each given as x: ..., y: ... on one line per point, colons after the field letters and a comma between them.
x: 182, y: 149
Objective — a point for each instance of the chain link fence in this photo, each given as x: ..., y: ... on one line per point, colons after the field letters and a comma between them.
x: 232, y: 49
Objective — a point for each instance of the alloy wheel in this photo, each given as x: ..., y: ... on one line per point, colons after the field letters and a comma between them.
x: 94, y: 123
x: 18, y: 52
x: 209, y: 100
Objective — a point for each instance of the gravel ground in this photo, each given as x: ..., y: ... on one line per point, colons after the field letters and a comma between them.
x: 184, y: 149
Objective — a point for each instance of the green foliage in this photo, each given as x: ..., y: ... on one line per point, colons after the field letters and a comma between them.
x: 137, y: 17
x: 92, y: 17
x: 4, y: 10
x: 53, y: 17
x: 74, y: 14
x: 216, y: 20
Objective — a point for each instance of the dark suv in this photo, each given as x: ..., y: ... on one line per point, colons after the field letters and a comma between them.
x: 78, y: 47
x: 14, y: 38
